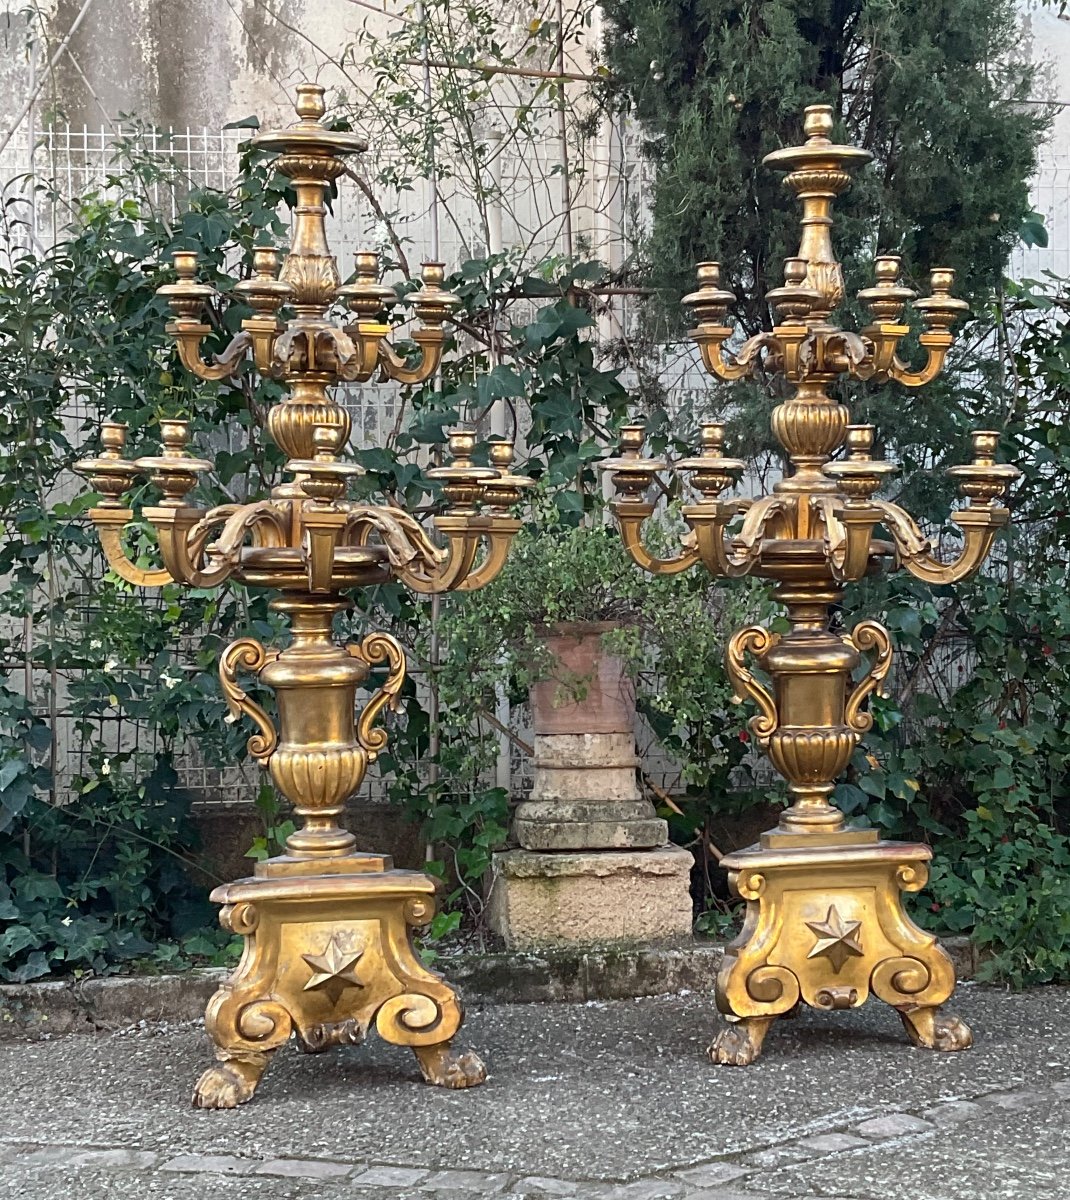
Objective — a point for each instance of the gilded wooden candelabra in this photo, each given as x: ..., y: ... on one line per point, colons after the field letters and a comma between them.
x: 327, y: 929
x: 824, y: 920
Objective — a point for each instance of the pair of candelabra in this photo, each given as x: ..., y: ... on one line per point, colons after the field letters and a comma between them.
x: 327, y: 928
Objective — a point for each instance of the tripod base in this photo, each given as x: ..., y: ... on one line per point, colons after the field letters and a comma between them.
x: 825, y: 926
x: 327, y: 955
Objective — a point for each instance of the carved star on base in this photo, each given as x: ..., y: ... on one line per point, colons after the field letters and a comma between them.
x: 837, y: 939
x: 334, y: 968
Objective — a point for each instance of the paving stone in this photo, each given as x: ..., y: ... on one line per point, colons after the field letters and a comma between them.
x: 466, y: 1181
x: 831, y: 1143
x: 1017, y: 1100
x: 954, y: 1112
x: 209, y: 1164
x: 644, y: 1189
x: 776, y: 1156
x: 893, y: 1125
x: 711, y: 1174
x: 137, y: 1160
x: 305, y: 1168
x: 724, y: 1194
x: 50, y: 1155
x: 389, y: 1177
x: 542, y: 1185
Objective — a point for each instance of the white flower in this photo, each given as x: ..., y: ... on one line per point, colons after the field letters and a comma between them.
x: 66, y: 921
x: 111, y: 666
x: 105, y: 767
x: 169, y: 681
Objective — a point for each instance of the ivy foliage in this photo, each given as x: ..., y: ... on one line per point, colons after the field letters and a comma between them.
x: 973, y: 752
x: 104, y: 881
x: 98, y: 858
x: 981, y: 769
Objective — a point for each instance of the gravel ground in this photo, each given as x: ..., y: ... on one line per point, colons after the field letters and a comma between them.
x: 612, y: 1101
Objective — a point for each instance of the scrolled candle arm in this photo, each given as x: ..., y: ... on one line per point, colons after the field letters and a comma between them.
x: 936, y: 346
x: 710, y: 303
x: 631, y: 516
x: 463, y: 486
x: 354, y: 352
x: 189, y: 336
x: 499, y: 496
x: 732, y: 368
x: 432, y: 304
x: 979, y: 526
x: 180, y: 552
x: 187, y: 299
x: 110, y: 524
x: 849, y: 520
x: 983, y: 482
x: 463, y: 536
x: 939, y: 311
x: 709, y: 524
x: 111, y: 475
x: 396, y: 368
x: 733, y: 557
x: 498, y: 538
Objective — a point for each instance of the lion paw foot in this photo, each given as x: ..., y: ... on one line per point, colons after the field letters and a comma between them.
x: 951, y: 1033
x: 443, y: 1066
x: 227, y: 1084
x: 932, y: 1029
x: 739, y: 1044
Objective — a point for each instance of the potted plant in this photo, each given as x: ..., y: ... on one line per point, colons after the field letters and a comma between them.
x: 562, y: 627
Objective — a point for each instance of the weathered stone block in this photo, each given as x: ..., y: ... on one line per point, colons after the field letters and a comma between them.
x: 585, y: 796
x: 209, y: 1164
x: 304, y: 1168
x: 597, y: 897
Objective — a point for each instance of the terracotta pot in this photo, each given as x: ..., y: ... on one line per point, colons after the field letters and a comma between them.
x: 582, y: 665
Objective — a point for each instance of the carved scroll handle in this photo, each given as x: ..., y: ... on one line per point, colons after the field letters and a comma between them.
x: 247, y: 654
x: 867, y: 635
x: 377, y: 648
x: 758, y: 640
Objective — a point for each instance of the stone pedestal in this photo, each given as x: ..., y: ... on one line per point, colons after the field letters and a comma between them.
x: 590, y: 898
x: 586, y: 796
x: 594, y: 864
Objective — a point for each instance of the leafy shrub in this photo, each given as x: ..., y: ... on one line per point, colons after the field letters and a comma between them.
x: 103, y: 881
x: 981, y: 769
